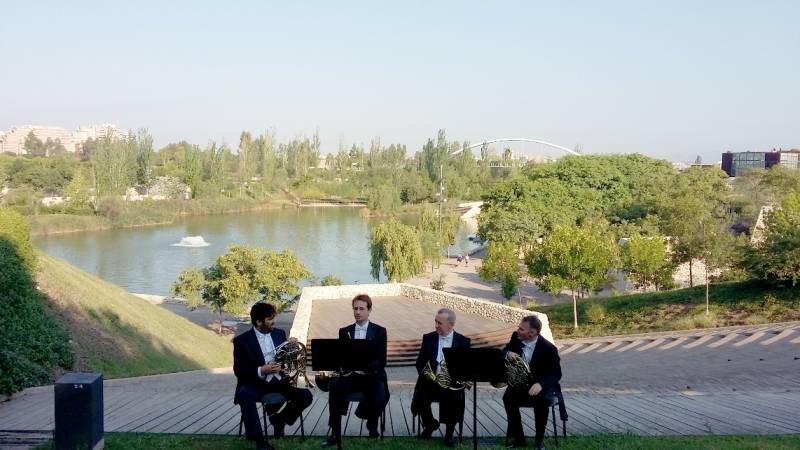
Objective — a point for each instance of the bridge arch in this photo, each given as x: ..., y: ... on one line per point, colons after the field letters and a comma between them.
x: 535, y: 141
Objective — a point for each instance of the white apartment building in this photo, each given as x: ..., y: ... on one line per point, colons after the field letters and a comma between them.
x: 13, y: 141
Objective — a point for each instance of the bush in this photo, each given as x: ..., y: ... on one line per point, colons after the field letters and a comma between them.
x: 438, y: 283
x: 595, y: 313
x: 331, y: 280
x: 33, y: 346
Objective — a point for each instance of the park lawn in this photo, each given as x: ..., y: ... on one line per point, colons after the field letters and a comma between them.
x: 133, y: 441
x: 121, y: 335
x: 731, y: 303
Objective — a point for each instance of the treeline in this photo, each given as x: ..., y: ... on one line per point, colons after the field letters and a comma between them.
x: 385, y: 176
x: 577, y: 221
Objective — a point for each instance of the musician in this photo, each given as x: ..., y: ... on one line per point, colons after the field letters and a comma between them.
x: 451, y: 402
x: 257, y: 374
x: 372, y: 383
x: 544, y: 362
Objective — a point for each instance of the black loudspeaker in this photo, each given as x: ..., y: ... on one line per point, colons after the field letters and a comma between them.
x: 79, y: 412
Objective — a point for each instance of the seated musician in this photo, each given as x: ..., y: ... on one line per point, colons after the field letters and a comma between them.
x: 544, y: 362
x: 372, y: 383
x: 258, y: 374
x: 451, y: 402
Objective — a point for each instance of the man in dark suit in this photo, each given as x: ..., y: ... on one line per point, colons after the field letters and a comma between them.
x: 542, y: 358
x: 258, y: 374
x: 451, y: 402
x: 372, y: 383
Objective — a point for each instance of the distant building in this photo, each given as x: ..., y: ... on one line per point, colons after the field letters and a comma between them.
x: 735, y: 163
x: 13, y: 141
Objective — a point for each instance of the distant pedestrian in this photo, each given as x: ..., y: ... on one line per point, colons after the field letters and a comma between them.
x: 466, y: 260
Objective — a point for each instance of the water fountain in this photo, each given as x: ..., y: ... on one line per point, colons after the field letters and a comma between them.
x: 192, y: 241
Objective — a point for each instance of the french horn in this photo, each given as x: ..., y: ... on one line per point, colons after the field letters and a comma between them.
x: 292, y: 358
x: 518, y: 374
x: 443, y: 378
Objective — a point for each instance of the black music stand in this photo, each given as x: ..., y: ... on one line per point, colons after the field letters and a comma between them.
x: 475, y: 364
x: 340, y: 355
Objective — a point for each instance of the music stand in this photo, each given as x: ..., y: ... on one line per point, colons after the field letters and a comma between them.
x: 475, y: 364
x: 340, y: 355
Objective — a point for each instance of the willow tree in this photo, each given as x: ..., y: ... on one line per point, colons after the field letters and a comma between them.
x: 395, y: 248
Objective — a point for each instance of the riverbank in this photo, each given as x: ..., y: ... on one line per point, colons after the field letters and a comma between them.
x: 120, y: 214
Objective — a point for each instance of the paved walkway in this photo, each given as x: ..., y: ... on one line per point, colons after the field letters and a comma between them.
x: 726, y: 381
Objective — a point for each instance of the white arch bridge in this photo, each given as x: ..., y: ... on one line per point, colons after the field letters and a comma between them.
x: 534, y: 141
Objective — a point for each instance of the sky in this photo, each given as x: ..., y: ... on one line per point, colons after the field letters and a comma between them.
x: 672, y: 80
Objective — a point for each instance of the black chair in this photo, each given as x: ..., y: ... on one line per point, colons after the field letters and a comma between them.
x: 275, y: 400
x: 557, y: 399
x: 416, y: 423
x: 358, y: 397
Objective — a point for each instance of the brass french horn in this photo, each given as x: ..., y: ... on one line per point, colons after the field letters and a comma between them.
x: 518, y: 374
x: 292, y: 357
x: 443, y: 378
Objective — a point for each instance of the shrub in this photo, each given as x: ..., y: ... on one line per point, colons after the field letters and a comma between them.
x: 331, y: 280
x: 438, y: 283
x: 33, y: 346
x: 595, y: 313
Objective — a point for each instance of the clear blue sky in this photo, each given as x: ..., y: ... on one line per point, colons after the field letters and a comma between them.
x: 667, y: 79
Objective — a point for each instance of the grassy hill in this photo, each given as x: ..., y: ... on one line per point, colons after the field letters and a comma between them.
x: 120, y: 335
x: 732, y: 303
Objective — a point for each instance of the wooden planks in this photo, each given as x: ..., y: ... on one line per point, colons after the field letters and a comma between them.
x: 641, y: 413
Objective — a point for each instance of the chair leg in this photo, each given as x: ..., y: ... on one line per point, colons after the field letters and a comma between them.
x: 302, y: 428
x: 461, y: 431
x: 241, y: 422
x: 555, y: 424
x: 266, y: 430
x: 383, y: 421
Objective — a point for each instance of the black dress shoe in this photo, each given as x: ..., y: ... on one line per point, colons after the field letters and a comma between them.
x: 264, y: 446
x: 427, y: 432
x: 374, y: 434
x: 516, y: 443
x: 330, y: 442
x: 450, y: 440
x: 278, y: 425
x: 540, y: 446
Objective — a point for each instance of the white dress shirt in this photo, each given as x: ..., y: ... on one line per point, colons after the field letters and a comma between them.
x: 361, y: 331
x: 444, y: 342
x: 268, y: 349
x: 527, y: 349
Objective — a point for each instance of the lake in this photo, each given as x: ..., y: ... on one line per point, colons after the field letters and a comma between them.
x: 329, y: 241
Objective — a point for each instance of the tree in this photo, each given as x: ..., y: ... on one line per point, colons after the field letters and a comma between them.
x: 572, y: 258
x: 245, y: 275
x: 144, y: 157
x: 190, y: 285
x: 34, y: 146
x: 395, y: 248
x: 646, y: 261
x: 502, y: 264
x: 79, y: 189
x: 776, y: 260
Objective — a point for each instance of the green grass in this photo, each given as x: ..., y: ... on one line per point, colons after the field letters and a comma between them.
x: 120, y: 335
x: 134, y: 441
x: 732, y: 303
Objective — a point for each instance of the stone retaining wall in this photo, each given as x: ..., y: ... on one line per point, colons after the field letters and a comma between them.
x: 484, y: 308
x: 459, y: 303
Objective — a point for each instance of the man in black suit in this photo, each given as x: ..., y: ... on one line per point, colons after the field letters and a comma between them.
x: 451, y: 402
x: 542, y: 358
x: 372, y: 383
x: 258, y: 374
